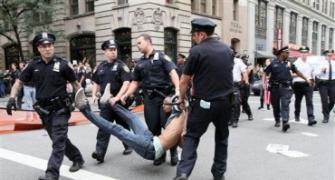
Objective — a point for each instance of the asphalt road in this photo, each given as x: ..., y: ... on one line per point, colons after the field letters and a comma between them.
x: 23, y: 155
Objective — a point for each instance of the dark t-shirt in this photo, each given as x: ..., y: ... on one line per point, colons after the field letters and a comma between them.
x: 211, y: 63
x: 49, y: 79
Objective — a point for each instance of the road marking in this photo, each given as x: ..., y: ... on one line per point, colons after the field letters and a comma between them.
x: 309, y: 134
x: 42, y: 164
x: 302, y: 121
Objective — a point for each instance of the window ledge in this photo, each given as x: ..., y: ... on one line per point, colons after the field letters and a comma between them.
x: 79, y: 15
x: 206, y: 15
x: 120, y: 6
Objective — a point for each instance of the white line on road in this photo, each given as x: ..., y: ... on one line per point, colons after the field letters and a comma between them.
x: 309, y: 134
x: 42, y: 164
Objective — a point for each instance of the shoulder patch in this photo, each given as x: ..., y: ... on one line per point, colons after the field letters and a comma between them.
x: 166, y: 57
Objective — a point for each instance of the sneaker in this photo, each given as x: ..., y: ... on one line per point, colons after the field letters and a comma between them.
x: 160, y: 160
x: 107, y: 94
x: 80, y: 99
x: 261, y: 107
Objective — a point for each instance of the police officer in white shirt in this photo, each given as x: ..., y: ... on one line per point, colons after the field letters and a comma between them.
x: 326, y: 84
x: 301, y: 87
x: 239, y: 74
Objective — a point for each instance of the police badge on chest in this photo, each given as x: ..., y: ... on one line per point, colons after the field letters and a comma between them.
x: 56, y: 67
x: 114, y: 68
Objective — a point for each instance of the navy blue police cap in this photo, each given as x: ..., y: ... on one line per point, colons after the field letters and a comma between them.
x: 109, y: 44
x: 304, y: 49
x: 326, y: 52
x: 202, y: 25
x: 44, y: 38
x: 283, y: 49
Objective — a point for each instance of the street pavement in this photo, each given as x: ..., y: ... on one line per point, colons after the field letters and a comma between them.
x: 23, y: 156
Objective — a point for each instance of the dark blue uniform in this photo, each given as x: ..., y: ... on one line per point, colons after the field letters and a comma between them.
x: 50, y: 81
x: 280, y: 87
x: 114, y: 73
x: 211, y: 65
x: 153, y: 73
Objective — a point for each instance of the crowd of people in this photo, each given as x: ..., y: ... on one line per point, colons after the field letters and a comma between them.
x: 211, y: 85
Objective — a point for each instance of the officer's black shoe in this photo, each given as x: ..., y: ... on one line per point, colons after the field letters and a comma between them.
x: 277, y: 124
x: 47, y: 177
x: 230, y: 123
x: 181, y: 177
x: 325, y: 119
x: 160, y: 160
x: 76, y: 166
x: 250, y: 117
x: 219, y: 178
x: 286, y: 126
x: 98, y: 157
x: 234, y: 125
x: 107, y: 94
x: 127, y: 151
x: 311, y: 122
x: 297, y: 118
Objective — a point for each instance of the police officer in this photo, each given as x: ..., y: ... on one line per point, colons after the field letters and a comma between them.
x: 210, y: 65
x: 154, y: 71
x: 50, y: 75
x: 280, y: 86
x: 301, y: 88
x: 117, y: 73
x: 326, y: 84
x: 239, y: 69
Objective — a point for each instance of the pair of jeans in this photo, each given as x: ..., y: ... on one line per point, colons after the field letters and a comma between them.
x: 141, y: 139
x: 29, y: 97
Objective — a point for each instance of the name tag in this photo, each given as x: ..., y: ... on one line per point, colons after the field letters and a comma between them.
x: 205, y: 104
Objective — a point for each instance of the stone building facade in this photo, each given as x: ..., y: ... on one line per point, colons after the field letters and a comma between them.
x: 82, y: 25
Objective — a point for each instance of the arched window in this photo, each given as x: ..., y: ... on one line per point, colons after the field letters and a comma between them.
x: 83, y: 48
x: 123, y: 39
x: 170, y: 43
x: 11, y: 54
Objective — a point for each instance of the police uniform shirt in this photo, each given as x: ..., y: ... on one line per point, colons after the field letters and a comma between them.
x: 49, y: 79
x: 325, y: 65
x: 153, y: 72
x: 211, y: 63
x: 280, y: 71
x: 115, y: 73
x: 305, y: 68
x: 239, y: 68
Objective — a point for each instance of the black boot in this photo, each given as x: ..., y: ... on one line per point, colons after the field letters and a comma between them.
x: 127, y: 150
x: 174, y: 156
x: 286, y: 126
x: 99, y: 157
x: 76, y: 166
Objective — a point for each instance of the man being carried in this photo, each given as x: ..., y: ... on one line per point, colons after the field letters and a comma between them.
x: 141, y: 139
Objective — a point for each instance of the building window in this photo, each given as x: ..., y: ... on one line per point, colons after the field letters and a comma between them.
x: 278, y: 31
x: 304, y: 38
x: 214, y: 6
x: 83, y: 49
x: 11, y: 55
x: 331, y: 38
x: 332, y: 10
x: 122, y: 2
x: 316, y: 4
x: 169, y: 1
x: 170, y: 43
x: 324, y: 6
x: 293, y: 27
x: 203, y: 6
x: 193, y: 5
x: 89, y: 5
x: 123, y: 39
x: 235, y: 10
x: 315, y: 37
x: 74, y: 7
x: 323, y: 37
x: 261, y: 19
x: 43, y: 17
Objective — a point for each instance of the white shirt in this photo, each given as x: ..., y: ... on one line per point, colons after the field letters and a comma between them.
x: 325, y: 65
x: 305, y: 68
x: 239, y: 68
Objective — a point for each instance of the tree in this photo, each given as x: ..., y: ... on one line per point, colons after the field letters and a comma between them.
x: 19, y: 18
